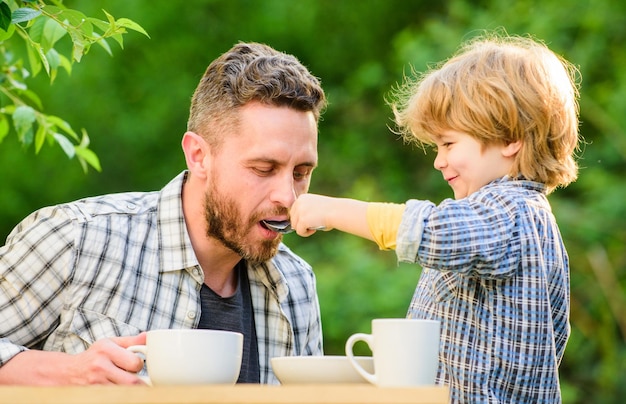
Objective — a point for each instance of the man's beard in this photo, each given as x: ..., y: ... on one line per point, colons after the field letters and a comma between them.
x: 227, y: 224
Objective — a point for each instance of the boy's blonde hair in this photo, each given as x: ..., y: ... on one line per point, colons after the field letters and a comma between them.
x: 499, y: 90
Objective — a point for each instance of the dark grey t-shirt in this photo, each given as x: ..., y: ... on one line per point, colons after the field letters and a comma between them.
x: 234, y: 313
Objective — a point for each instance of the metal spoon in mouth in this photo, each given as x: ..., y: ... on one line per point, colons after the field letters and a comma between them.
x: 284, y: 226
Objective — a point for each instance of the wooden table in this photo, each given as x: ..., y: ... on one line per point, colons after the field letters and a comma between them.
x: 238, y: 394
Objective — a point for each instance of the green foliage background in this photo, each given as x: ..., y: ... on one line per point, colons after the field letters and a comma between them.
x: 135, y: 106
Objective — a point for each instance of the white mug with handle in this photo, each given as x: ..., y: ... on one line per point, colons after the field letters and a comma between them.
x: 405, y: 351
x: 192, y: 356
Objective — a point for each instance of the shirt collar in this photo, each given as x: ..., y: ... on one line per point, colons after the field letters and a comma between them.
x: 522, y: 182
x: 269, y: 275
x: 176, y: 249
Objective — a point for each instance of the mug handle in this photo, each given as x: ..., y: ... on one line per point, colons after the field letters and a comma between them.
x: 143, y: 350
x: 368, y: 339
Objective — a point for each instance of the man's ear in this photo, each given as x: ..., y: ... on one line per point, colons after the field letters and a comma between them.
x: 196, y: 151
x: 511, y: 149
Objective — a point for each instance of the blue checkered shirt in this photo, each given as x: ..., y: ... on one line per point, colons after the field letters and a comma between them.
x: 123, y: 263
x: 496, y: 274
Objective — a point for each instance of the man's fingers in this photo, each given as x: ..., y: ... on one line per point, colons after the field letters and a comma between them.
x: 126, y: 363
x: 130, y: 340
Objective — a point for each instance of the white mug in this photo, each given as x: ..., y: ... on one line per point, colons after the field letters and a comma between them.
x: 405, y: 351
x: 192, y: 356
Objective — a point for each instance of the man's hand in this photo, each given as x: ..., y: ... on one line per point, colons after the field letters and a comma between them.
x: 107, y: 361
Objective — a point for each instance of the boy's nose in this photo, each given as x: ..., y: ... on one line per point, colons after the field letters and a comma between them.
x: 440, y: 161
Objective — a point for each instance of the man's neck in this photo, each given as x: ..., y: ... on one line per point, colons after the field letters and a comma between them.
x: 219, y: 268
x: 217, y: 261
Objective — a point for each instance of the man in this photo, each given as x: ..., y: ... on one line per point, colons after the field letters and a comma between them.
x: 80, y: 282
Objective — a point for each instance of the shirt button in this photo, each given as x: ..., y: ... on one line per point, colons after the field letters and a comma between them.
x: 191, y: 314
x: 131, y: 206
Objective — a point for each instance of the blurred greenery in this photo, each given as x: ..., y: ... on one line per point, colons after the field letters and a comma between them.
x: 40, y: 26
x: 134, y: 106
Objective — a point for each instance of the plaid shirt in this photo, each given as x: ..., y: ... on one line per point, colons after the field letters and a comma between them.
x: 496, y: 274
x: 123, y: 263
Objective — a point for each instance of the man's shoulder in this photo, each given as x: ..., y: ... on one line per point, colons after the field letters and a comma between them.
x: 126, y: 203
x: 53, y: 218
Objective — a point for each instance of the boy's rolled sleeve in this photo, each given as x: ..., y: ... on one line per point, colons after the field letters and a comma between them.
x: 411, y: 229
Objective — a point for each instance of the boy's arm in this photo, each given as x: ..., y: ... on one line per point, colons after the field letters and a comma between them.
x: 347, y: 215
x: 378, y: 222
x: 384, y: 220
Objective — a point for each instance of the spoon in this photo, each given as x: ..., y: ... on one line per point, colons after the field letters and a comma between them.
x: 284, y: 226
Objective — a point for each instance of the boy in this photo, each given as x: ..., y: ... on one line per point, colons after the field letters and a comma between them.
x: 503, y: 114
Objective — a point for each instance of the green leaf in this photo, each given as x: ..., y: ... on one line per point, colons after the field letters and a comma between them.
x: 110, y: 18
x: 16, y: 83
x: 76, y: 19
x: 8, y: 33
x: 36, y: 29
x: 66, y: 145
x: 53, y: 58
x: 4, y: 127
x: 80, y: 46
x: 104, y: 44
x: 37, y: 58
x: 5, y: 16
x: 89, y: 156
x: 24, y: 14
x: 66, y: 64
x: 27, y: 136
x: 33, y: 97
x: 84, y: 141
x: 85, y: 155
x: 54, y: 61
x: 23, y: 119
x: 61, y: 124
x: 52, y: 32
x: 40, y: 137
x: 119, y: 39
x: 9, y: 109
x: 33, y: 59
x: 130, y: 24
x: 103, y: 26
x: 83, y: 164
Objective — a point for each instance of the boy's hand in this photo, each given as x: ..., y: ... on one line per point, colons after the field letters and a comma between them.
x: 309, y: 212
x: 348, y: 215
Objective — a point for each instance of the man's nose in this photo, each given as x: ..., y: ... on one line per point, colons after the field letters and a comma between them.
x: 284, y: 192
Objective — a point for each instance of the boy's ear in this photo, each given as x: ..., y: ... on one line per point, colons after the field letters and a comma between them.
x: 511, y: 149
